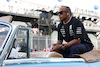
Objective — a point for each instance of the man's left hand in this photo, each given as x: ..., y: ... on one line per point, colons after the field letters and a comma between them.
x: 57, y: 48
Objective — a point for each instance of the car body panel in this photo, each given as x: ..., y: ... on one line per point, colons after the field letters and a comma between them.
x: 43, y: 62
x: 57, y: 64
x: 49, y: 62
x: 94, y: 64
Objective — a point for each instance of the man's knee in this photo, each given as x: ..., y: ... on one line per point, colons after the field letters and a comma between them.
x: 74, y: 48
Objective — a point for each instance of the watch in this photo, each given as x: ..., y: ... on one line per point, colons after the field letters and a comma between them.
x: 63, y: 47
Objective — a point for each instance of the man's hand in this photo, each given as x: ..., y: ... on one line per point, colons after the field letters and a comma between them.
x: 57, y: 48
x: 54, y: 44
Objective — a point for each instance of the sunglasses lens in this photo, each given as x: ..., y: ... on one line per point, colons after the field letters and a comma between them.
x: 60, y: 12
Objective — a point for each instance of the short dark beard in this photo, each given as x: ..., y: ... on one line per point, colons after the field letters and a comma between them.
x: 65, y: 19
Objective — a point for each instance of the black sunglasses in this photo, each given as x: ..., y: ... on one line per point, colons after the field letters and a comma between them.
x: 61, y: 12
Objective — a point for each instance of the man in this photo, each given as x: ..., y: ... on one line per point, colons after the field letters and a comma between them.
x: 23, y: 46
x: 44, y: 20
x: 72, y: 31
x: 17, y: 45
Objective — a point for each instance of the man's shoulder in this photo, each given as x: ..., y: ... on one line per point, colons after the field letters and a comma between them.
x: 59, y: 26
x: 76, y: 21
x: 21, y: 43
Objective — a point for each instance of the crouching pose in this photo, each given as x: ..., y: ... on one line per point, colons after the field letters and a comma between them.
x: 72, y: 31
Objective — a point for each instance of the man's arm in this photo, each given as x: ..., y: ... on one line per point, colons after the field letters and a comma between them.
x: 73, y: 42
x: 59, y: 42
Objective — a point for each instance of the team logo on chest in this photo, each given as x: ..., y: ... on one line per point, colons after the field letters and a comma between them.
x: 71, y: 30
x: 62, y: 31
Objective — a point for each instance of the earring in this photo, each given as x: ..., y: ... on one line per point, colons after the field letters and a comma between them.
x: 67, y: 13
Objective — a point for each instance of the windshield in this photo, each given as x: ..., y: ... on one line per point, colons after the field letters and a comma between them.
x: 3, y: 33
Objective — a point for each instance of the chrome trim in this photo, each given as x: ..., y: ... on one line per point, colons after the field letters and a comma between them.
x: 41, y: 60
